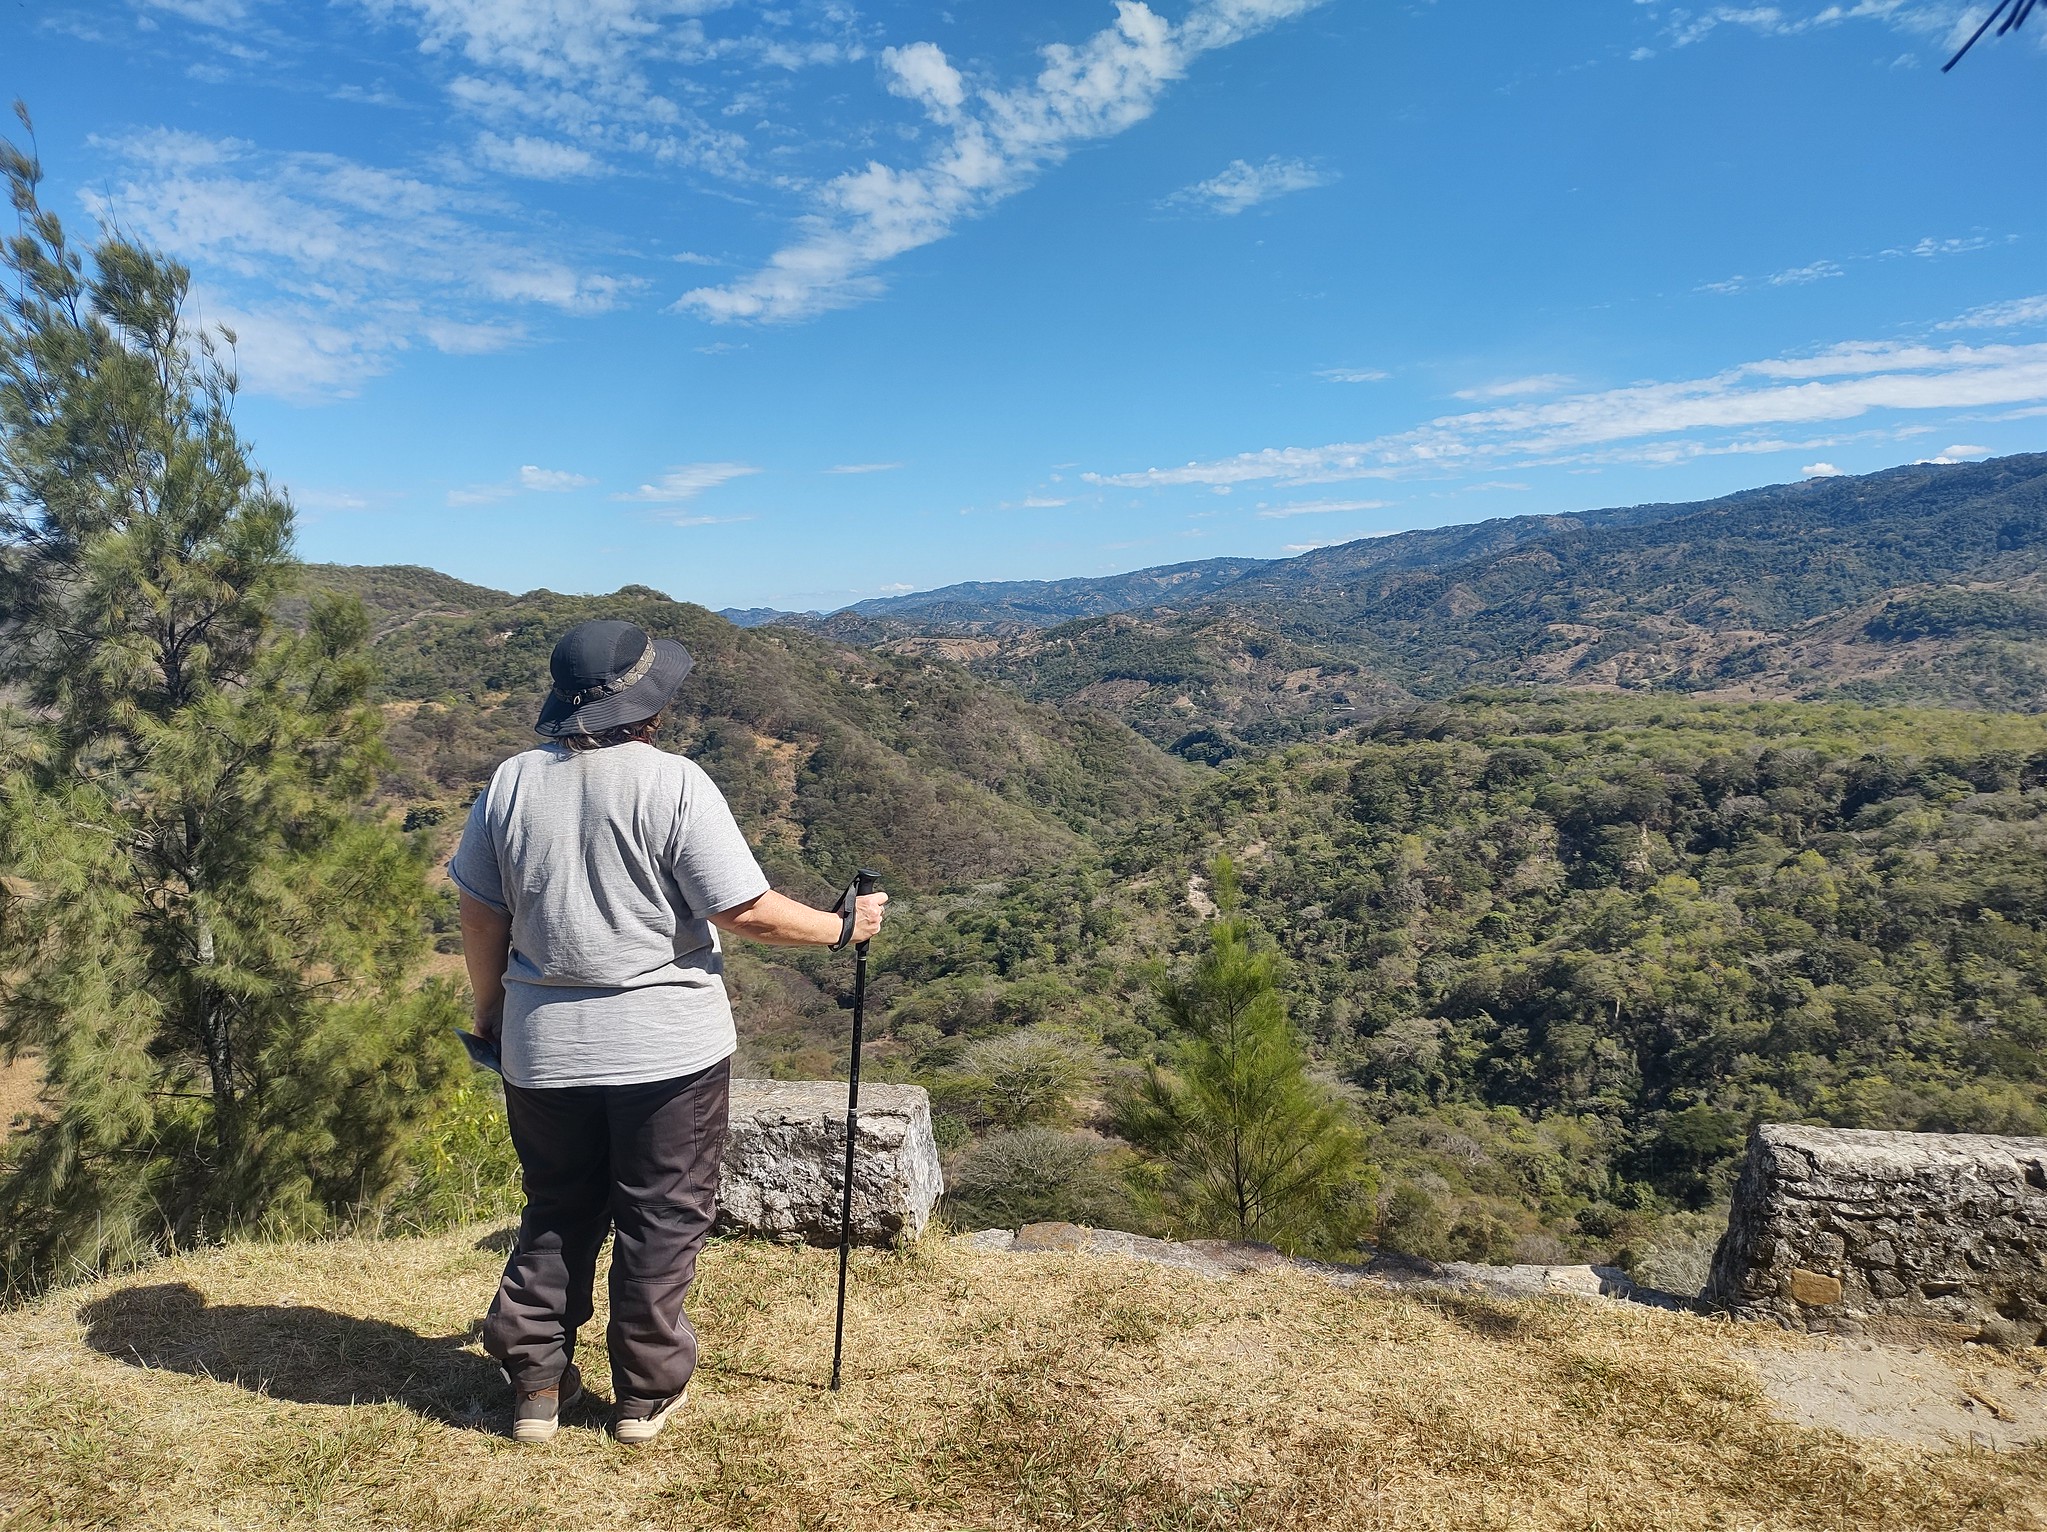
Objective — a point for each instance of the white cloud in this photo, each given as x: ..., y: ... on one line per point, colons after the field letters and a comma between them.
x: 686, y: 482
x: 1999, y: 316
x: 1962, y: 246
x: 705, y: 521
x: 1353, y: 374
x: 1941, y: 19
x: 1035, y: 503
x: 610, y: 76
x: 1320, y: 508
x: 329, y: 500
x: 1821, y: 471
x: 1541, y: 383
x: 1962, y: 451
x: 210, y: 13
x: 551, y: 480
x: 1727, y: 412
x: 864, y: 468
x: 1241, y: 185
x: 529, y: 479
x: 922, y: 73
x: 995, y: 143
x: 1799, y: 276
x: 326, y: 268
x: 539, y: 159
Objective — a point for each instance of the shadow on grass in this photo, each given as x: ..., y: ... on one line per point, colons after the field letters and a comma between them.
x: 308, y: 1355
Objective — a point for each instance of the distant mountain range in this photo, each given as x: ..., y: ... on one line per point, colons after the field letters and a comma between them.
x: 1917, y: 584
x: 1923, y: 584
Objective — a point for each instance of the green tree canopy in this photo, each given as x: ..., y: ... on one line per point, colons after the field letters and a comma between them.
x: 1253, y: 1147
x: 207, y: 943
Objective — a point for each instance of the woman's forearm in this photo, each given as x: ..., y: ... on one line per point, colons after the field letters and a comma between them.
x: 486, y: 950
x: 782, y: 922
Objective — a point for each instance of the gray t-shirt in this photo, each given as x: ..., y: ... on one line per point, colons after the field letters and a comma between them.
x: 608, y: 861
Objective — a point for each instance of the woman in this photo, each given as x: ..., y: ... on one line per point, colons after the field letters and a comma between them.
x: 592, y: 873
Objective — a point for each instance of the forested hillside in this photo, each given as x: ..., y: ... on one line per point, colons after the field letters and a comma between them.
x: 831, y: 755
x: 1566, y: 950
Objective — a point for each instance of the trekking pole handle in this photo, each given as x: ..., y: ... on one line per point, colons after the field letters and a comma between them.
x: 865, y: 882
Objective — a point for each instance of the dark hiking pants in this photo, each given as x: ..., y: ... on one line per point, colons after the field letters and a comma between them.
x: 641, y: 1161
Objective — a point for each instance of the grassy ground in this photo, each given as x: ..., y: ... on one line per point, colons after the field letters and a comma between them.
x: 338, y: 1385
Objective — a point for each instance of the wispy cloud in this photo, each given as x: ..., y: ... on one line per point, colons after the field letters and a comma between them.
x: 1241, y: 185
x: 326, y: 268
x: 1943, y: 19
x: 2002, y: 316
x: 864, y: 468
x: 992, y: 143
x: 1799, y: 276
x: 1319, y: 508
x: 705, y: 521
x: 329, y: 500
x: 1822, y: 270
x: 539, y: 159
x: 1821, y: 471
x: 686, y: 482
x: 1353, y: 374
x: 529, y: 479
x: 597, y: 74
x: 1516, y: 388
x: 1738, y: 410
x: 1927, y: 248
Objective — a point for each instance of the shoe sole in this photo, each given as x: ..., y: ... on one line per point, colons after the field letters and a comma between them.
x: 532, y: 1433
x: 638, y: 1432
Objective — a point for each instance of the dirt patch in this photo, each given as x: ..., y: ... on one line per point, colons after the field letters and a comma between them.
x: 20, y: 1082
x: 1919, y: 1398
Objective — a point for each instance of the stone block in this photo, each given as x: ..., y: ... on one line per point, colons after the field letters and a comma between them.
x: 1957, y: 1225
x: 785, y: 1163
x: 1814, y: 1289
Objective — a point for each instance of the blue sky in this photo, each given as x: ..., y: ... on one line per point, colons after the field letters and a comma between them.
x: 799, y: 303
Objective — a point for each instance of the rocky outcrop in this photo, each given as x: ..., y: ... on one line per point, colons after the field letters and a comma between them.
x: 1928, y: 1236
x: 786, y: 1159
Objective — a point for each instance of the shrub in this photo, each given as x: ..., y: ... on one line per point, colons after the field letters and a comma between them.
x: 1033, y: 1175
x: 1412, y: 1224
x: 1022, y: 1078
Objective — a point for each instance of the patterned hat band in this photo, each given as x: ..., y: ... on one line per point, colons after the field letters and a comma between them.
x: 632, y: 676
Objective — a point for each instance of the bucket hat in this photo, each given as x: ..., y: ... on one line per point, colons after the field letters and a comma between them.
x: 607, y: 674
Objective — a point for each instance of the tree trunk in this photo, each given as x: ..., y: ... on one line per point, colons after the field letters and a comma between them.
x: 216, y: 1036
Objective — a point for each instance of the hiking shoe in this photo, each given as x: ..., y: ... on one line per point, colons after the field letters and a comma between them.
x: 536, y: 1413
x: 641, y: 1423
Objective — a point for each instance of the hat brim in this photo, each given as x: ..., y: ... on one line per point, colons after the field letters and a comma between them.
x: 643, y: 699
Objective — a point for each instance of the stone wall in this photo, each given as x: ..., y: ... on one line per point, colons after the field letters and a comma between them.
x: 785, y: 1163
x: 1915, y: 1236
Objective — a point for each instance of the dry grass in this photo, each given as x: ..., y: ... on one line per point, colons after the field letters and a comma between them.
x: 338, y: 1385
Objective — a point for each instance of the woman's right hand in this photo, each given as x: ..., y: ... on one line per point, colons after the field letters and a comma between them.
x: 868, y: 913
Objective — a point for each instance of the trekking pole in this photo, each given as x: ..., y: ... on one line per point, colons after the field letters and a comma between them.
x: 863, y: 883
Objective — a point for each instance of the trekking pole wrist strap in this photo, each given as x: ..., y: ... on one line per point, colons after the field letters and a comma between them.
x: 845, y: 927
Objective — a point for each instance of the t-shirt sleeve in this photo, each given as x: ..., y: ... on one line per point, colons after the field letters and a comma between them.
x: 712, y: 864
x: 474, y: 866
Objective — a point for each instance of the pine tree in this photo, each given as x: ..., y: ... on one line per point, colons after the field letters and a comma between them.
x: 205, y: 940
x: 1252, y: 1147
